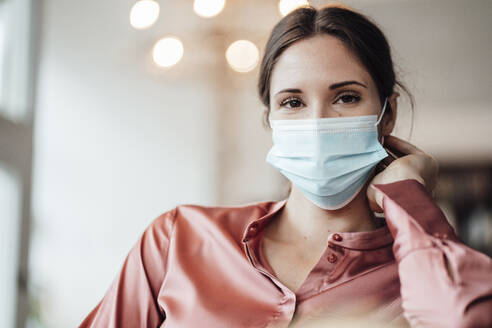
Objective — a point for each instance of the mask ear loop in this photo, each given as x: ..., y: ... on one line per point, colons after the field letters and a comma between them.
x: 381, y: 116
x: 382, y: 112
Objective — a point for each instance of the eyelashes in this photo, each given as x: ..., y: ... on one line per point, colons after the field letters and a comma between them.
x: 291, y: 100
x: 345, y: 97
x: 348, y: 98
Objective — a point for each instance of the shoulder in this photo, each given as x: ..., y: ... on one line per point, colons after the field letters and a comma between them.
x: 188, y: 220
x: 223, y: 215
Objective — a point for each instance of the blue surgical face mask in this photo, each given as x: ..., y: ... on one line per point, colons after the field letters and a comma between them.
x: 327, y: 159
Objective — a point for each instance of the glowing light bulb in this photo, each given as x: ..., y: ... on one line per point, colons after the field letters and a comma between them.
x: 144, y: 13
x: 242, y: 56
x: 286, y: 6
x: 208, y: 8
x: 167, y: 51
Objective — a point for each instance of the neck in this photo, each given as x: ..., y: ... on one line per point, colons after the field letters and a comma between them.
x: 302, y: 221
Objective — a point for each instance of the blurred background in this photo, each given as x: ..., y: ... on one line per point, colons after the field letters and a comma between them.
x: 113, y: 112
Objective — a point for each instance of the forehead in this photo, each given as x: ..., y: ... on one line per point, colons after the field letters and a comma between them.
x: 322, y: 59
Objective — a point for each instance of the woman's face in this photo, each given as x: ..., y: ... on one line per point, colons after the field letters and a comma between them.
x: 319, y: 77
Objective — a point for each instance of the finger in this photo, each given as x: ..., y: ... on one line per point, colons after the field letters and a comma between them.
x: 401, y: 145
x: 374, y: 198
x: 392, y: 156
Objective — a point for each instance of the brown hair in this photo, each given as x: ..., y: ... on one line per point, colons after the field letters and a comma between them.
x: 355, y: 30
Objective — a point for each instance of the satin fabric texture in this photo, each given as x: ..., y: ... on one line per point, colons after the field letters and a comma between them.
x: 203, y: 266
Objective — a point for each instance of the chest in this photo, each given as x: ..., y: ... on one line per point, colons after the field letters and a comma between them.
x: 214, y: 288
x: 291, y: 264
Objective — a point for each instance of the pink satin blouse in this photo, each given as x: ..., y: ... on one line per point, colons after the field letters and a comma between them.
x: 199, y: 266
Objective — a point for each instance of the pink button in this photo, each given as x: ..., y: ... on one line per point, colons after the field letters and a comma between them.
x: 337, y: 237
x: 253, y: 228
x: 332, y: 258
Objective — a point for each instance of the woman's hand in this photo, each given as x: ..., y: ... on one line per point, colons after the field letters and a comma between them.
x: 414, y: 164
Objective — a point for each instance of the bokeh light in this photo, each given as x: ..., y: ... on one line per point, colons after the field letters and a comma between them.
x: 167, y: 51
x: 286, y: 6
x: 242, y: 55
x: 144, y: 13
x: 208, y: 8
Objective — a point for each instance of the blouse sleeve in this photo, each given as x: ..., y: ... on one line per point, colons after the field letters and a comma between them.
x: 444, y: 283
x: 131, y: 300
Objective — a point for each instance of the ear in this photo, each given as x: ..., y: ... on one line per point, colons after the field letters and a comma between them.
x: 389, y: 119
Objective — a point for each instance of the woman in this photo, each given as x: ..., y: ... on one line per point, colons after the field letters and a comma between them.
x: 328, y: 83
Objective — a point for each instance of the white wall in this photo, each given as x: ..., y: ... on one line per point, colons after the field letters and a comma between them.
x: 117, y: 143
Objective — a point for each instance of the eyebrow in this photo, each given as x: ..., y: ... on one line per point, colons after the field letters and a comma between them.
x: 344, y: 83
x: 331, y: 87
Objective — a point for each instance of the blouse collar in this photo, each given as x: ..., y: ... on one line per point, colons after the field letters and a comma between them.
x: 359, y: 240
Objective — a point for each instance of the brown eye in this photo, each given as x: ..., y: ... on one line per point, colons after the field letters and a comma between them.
x: 348, y: 99
x: 291, y: 103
